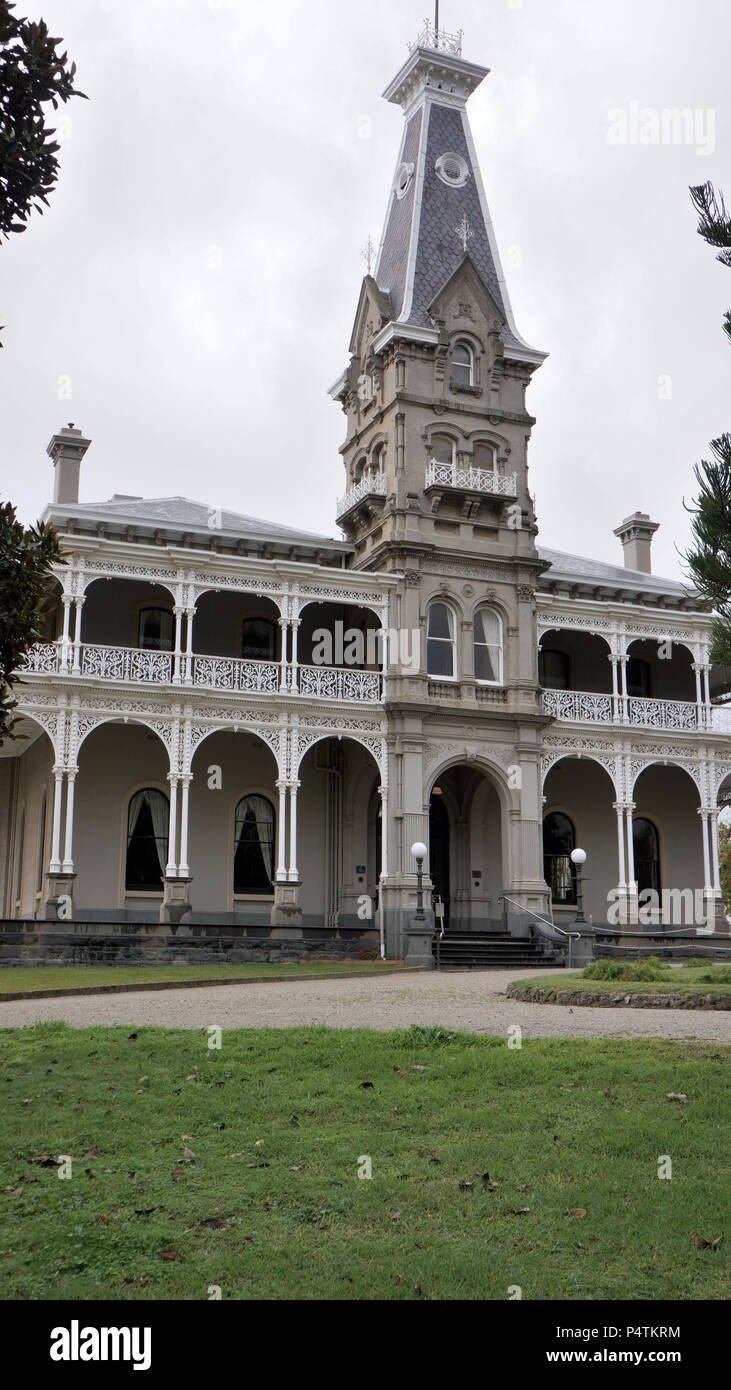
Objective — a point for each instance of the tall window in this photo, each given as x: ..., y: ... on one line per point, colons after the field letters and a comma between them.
x: 258, y: 639
x: 638, y: 678
x: 463, y: 365
x: 559, y: 840
x: 442, y: 448
x: 378, y: 458
x: 147, y: 841
x: 254, y: 846
x: 646, y: 844
x: 488, y: 630
x: 40, y: 866
x: 156, y: 630
x: 441, y: 646
x: 553, y: 670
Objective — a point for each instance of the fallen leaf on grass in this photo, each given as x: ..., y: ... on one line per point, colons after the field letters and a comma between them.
x: 702, y: 1244
x: 216, y: 1223
x: 89, y: 1173
x: 13, y: 1191
x: 465, y: 1186
x: 132, y: 1037
x: 609, y: 1093
x: 394, y: 1215
x: 176, y: 1173
x: 367, y: 1086
x: 418, y: 1067
x: 522, y: 1187
x: 577, y: 1211
x: 45, y: 1160
x: 519, y: 1211
x: 676, y: 1095
x: 169, y: 1255
x: 263, y: 1163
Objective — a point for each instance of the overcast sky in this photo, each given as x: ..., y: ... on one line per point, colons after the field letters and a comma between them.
x: 194, y: 281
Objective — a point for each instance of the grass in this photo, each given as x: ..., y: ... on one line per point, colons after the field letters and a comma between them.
x: 698, y: 979
x: 22, y: 979
x: 241, y: 1164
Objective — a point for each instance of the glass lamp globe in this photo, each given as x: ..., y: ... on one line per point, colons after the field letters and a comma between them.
x: 419, y: 850
x: 578, y: 856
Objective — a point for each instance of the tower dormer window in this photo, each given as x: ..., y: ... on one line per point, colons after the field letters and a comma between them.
x: 453, y: 170
x: 402, y: 182
x: 463, y: 365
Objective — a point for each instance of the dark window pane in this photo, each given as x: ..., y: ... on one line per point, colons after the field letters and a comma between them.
x: 647, y: 855
x: 147, y: 841
x: 486, y: 663
x: 254, y: 846
x: 638, y: 678
x: 440, y: 624
x: 157, y: 630
x: 553, y: 670
x: 558, y: 870
x: 258, y: 641
x: 439, y: 658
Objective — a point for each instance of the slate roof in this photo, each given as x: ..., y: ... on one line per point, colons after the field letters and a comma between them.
x: 181, y: 513
x: 575, y: 568
x: 439, y: 209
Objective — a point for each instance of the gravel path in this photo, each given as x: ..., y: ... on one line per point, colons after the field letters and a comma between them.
x: 472, y: 1001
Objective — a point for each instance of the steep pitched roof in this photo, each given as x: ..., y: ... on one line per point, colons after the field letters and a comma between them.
x: 182, y: 513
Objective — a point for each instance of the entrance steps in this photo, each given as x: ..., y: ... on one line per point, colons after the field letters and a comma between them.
x: 485, y: 950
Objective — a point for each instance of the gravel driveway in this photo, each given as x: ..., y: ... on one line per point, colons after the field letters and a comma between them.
x: 473, y: 1001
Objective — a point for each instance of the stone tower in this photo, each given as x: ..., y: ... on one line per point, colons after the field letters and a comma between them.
x: 436, y: 467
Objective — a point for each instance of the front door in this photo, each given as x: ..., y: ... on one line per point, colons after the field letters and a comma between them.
x: 439, y: 851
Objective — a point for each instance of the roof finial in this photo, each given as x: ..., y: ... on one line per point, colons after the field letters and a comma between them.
x: 464, y: 231
x: 368, y: 253
x: 433, y: 37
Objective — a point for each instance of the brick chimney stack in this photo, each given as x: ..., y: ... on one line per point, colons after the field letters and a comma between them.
x: 67, y: 448
x: 636, y: 533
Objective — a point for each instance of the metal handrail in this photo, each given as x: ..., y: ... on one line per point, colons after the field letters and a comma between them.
x: 571, y: 935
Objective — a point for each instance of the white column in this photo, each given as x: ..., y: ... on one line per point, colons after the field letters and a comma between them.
x: 283, y: 662
x: 619, y: 808
x: 282, y: 833
x: 383, y: 791
x: 77, y: 636
x: 55, y: 865
x: 65, y: 638
x: 707, y: 694
x: 629, y: 808
x: 190, y: 614
x: 183, y: 869
x: 615, y: 687
x: 171, y: 867
x: 177, y: 657
x: 707, y: 886
x: 68, y: 861
x: 715, y: 853
x: 295, y: 630
x: 293, y: 874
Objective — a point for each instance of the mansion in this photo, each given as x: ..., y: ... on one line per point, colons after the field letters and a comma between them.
x: 217, y: 734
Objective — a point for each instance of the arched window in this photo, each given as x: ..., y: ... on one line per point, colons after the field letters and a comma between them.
x: 378, y: 458
x: 553, y: 669
x: 638, y: 678
x: 488, y: 646
x: 442, y: 448
x: 441, y: 644
x: 156, y: 630
x: 40, y: 865
x: 254, y: 846
x: 359, y: 468
x: 147, y: 841
x: 646, y: 844
x: 559, y: 839
x: 258, y: 639
x: 463, y: 365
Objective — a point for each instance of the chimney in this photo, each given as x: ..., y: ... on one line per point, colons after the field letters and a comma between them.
x: 636, y: 533
x: 67, y: 448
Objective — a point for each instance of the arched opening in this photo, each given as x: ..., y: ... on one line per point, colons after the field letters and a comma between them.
x: 127, y: 613
x: 337, y: 635
x: 579, y: 798
x: 467, y: 847
x: 27, y: 762
x: 234, y: 827
x: 668, y: 846
x: 463, y: 364
x: 569, y: 660
x: 660, y: 670
x: 339, y: 845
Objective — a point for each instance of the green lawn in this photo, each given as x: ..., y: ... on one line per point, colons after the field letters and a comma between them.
x: 242, y: 1165
x: 685, y: 980
x: 23, y: 978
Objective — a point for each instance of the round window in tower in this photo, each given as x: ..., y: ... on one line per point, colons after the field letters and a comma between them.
x: 402, y: 182
x: 453, y: 170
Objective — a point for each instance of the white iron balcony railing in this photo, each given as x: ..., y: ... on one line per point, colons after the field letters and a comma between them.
x: 484, y: 480
x: 223, y: 673
x: 721, y: 719
x: 581, y: 706
x: 231, y: 673
x: 371, y: 485
x: 340, y: 683
x: 430, y: 37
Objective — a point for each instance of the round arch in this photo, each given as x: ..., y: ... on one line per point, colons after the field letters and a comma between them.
x: 122, y: 578
x: 270, y: 738
x: 373, y: 744
x: 693, y: 773
x: 161, y: 728
x: 581, y: 756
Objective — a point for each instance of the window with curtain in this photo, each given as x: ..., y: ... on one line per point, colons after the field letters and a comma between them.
x: 488, y: 630
x: 441, y: 653
x: 553, y: 670
x: 258, y: 639
x: 559, y: 840
x: 156, y: 630
x: 646, y: 844
x: 147, y: 841
x: 254, y: 846
x: 441, y: 448
x: 463, y: 365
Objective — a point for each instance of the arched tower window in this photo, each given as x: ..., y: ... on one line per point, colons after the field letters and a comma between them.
x: 378, y: 458
x: 156, y: 630
x: 488, y: 646
x: 646, y: 842
x: 559, y: 839
x: 254, y: 846
x: 147, y: 841
x: 442, y: 449
x: 463, y: 365
x: 441, y: 642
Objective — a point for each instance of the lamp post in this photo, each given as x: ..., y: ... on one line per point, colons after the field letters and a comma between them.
x: 419, y: 852
x: 578, y: 857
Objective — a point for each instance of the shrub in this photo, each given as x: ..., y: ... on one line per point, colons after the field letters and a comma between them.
x: 651, y: 969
